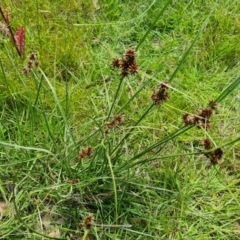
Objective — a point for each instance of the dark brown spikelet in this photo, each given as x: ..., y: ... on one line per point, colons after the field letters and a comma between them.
x: 186, y: 119
x: 161, y: 95
x: 207, y: 144
x: 116, y: 63
x: 124, y: 73
x: 32, y: 62
x: 216, y: 155
x: 127, y: 64
x: 106, y: 132
x: 87, y: 222
x: 36, y: 63
x: 130, y: 53
x: 32, y: 56
x: 213, y: 156
x: 118, y: 119
x: 124, y: 65
x: 130, y: 56
x: 190, y: 120
x: 201, y: 119
x: 86, y: 152
x: 206, y: 113
x: 26, y: 70
x: 133, y: 69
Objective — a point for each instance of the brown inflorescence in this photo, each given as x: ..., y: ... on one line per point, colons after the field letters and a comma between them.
x: 207, y: 144
x: 32, y: 62
x: 117, y: 120
x: 127, y: 64
x: 213, y: 156
x: 86, y: 152
x: 161, y: 95
x: 201, y: 119
x: 216, y: 155
x: 87, y: 222
x: 116, y: 63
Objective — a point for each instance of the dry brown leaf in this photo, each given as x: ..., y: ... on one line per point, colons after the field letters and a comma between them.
x: 47, y: 226
x: 237, y: 229
x: 55, y: 233
x: 95, y: 4
x: 6, y: 209
x: 3, y: 209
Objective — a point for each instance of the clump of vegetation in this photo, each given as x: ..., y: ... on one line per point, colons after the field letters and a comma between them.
x: 119, y: 122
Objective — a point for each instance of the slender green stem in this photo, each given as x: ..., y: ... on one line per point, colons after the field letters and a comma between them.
x: 162, y: 141
x: 114, y: 184
x: 229, y: 89
x: 115, y: 98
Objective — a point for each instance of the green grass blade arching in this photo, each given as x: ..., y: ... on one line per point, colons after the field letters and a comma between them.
x: 157, y: 144
x: 150, y: 28
x: 132, y: 129
x: 24, y: 147
x: 228, y: 90
x: 191, y: 46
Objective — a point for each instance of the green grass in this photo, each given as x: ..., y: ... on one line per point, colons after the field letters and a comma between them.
x: 149, y: 177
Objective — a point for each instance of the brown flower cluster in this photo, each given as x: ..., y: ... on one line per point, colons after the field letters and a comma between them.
x: 32, y: 62
x: 117, y: 120
x: 213, y: 156
x: 127, y: 64
x: 86, y: 152
x: 202, y: 118
x: 161, y: 95
x: 87, y: 223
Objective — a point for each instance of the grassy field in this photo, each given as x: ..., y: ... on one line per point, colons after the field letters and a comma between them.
x: 120, y: 120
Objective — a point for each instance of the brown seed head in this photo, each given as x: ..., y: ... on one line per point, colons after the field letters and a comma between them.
x: 127, y: 63
x: 133, y: 69
x: 87, y: 222
x: 86, y: 152
x: 216, y: 155
x: 116, y: 63
x: 26, y: 70
x: 161, y: 95
x: 206, y: 113
x: 207, y: 144
x: 130, y: 53
x: 32, y: 56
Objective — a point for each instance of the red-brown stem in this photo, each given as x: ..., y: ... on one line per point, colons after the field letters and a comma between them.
x: 11, y: 32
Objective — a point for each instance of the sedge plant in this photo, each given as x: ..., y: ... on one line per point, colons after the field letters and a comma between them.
x: 114, y: 176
